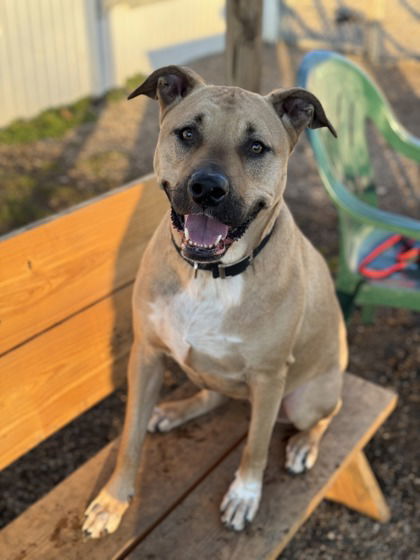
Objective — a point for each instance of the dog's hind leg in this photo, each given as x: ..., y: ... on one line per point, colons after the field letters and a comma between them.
x: 302, y: 448
x: 311, y: 409
x: 169, y: 415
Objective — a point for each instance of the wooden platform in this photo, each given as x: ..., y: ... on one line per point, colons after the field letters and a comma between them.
x: 184, y: 476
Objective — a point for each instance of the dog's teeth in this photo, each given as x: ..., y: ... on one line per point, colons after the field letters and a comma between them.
x: 187, y: 235
x: 200, y: 245
x: 218, y: 240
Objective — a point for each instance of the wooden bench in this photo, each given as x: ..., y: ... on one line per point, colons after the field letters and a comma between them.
x: 65, y: 325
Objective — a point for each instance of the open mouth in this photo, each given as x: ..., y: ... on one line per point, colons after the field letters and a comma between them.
x: 205, y: 238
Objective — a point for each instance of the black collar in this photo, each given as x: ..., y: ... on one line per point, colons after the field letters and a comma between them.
x: 220, y: 270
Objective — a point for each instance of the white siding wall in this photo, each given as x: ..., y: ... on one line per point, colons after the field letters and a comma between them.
x: 53, y: 52
x: 163, y: 32
x: 45, y: 55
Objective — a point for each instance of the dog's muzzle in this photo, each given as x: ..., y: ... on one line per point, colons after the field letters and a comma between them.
x: 205, y: 238
x: 212, y: 217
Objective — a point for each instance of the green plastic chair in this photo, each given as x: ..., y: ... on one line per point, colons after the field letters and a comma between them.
x: 350, y: 98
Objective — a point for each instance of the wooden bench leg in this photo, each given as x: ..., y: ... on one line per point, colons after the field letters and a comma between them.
x: 357, y: 488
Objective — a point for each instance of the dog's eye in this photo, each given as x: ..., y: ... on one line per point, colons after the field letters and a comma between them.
x: 257, y: 148
x: 186, y: 134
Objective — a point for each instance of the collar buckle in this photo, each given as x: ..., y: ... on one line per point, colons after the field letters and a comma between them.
x: 221, y: 270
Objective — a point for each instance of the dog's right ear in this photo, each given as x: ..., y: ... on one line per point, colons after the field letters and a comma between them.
x: 169, y: 85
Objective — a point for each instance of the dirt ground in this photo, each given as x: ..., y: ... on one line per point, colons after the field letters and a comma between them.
x: 118, y: 147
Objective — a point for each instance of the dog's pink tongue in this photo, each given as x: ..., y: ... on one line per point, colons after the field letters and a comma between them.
x: 204, y: 230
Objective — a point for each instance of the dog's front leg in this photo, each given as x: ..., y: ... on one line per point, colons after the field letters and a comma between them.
x: 145, y: 375
x: 241, y: 502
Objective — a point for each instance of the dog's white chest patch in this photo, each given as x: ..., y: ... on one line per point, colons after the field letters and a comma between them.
x: 194, y: 317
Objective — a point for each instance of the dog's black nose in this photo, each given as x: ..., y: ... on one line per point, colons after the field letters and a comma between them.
x: 208, y: 188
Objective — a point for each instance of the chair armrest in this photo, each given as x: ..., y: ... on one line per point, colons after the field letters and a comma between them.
x: 400, y: 139
x: 358, y: 209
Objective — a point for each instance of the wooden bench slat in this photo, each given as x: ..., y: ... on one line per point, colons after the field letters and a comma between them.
x: 51, y: 270
x: 193, y: 530
x: 56, y: 376
x: 172, y: 464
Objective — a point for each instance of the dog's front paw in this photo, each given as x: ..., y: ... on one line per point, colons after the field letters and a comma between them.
x: 301, y: 453
x: 103, y: 515
x: 240, y: 503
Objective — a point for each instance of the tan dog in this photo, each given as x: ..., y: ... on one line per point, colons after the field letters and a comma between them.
x: 269, y: 330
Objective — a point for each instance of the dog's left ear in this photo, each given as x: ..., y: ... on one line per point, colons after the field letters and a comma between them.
x: 169, y: 85
x: 298, y: 109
